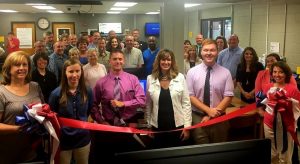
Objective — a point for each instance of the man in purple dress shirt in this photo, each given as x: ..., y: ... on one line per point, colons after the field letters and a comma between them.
x: 132, y: 93
x: 106, y: 109
x: 220, y: 93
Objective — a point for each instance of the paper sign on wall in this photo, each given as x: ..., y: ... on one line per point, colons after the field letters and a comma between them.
x: 190, y: 34
x: 1, y: 38
x: 25, y: 37
x: 274, y: 47
x: 298, y: 70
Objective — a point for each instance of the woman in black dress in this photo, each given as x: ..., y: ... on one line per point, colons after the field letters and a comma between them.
x: 246, y: 74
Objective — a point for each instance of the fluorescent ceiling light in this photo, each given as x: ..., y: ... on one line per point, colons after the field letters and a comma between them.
x: 152, y: 13
x: 113, y: 12
x: 35, y: 4
x: 44, y: 7
x: 8, y: 11
x: 55, y: 11
x: 187, y: 5
x: 124, y: 4
x: 118, y: 8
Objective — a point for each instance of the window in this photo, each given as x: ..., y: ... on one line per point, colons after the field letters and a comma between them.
x: 211, y: 28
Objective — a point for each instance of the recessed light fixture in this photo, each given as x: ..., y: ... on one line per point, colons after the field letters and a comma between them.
x: 8, y: 11
x: 35, y: 4
x: 124, y: 4
x: 44, y: 7
x: 54, y: 11
x: 113, y: 12
x: 151, y: 13
x: 187, y: 5
x: 118, y: 8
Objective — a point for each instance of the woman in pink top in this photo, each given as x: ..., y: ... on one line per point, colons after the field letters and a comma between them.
x: 282, y: 112
x: 93, y: 71
x: 264, y: 78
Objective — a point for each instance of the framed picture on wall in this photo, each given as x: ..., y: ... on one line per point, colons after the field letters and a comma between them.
x: 62, y: 32
x: 62, y: 28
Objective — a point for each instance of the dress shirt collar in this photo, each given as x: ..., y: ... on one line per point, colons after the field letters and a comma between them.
x: 233, y: 49
x: 75, y: 93
x: 205, y: 67
x: 112, y: 76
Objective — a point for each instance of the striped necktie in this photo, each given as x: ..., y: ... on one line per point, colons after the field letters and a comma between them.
x: 117, y: 91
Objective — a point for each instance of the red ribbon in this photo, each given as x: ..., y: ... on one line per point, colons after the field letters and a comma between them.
x: 279, y: 102
x: 51, y: 116
x: 100, y: 127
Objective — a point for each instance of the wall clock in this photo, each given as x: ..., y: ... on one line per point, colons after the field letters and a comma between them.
x: 43, y: 23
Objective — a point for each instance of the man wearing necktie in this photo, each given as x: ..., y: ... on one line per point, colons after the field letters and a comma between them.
x: 117, y: 96
x: 199, y: 39
x: 211, y: 90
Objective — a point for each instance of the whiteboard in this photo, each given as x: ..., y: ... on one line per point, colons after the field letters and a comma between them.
x: 106, y: 27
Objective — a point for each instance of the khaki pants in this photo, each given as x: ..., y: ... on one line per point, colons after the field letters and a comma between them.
x: 209, y: 134
x: 276, y: 155
x: 80, y: 155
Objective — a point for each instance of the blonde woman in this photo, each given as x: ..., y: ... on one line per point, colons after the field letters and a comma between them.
x: 168, y: 105
x: 93, y: 71
x: 15, y: 91
x: 74, y: 53
x: 191, y: 60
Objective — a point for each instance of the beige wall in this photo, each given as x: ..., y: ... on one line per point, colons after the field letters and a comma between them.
x: 260, y: 22
x: 192, y: 23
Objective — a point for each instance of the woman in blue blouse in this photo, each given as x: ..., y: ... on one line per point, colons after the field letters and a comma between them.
x: 73, y: 100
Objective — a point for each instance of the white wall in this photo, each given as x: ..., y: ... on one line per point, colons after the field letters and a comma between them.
x: 83, y: 22
x: 260, y: 22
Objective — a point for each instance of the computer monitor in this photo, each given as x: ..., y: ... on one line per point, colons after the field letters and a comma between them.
x: 256, y: 151
x: 138, y: 72
x: 144, y: 85
x: 152, y: 28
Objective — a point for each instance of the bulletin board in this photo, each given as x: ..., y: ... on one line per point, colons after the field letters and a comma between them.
x: 25, y: 32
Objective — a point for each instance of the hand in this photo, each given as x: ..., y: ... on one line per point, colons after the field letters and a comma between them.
x: 105, y: 123
x: 150, y: 135
x: 261, y: 111
x: 248, y: 95
x: 213, y: 112
x: 220, y: 111
x: 116, y: 103
x: 185, y: 135
x: 205, y: 119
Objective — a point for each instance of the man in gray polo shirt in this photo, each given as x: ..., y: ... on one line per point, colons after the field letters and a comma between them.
x: 133, y: 56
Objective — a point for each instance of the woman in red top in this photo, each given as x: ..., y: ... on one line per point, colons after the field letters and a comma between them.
x: 13, y: 43
x: 264, y: 78
x: 281, y: 114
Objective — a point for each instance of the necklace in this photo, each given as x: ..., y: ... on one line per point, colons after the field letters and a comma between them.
x: 164, y: 78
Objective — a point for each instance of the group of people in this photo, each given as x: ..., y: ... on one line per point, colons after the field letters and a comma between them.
x: 250, y: 78
x: 77, y: 88
x: 68, y: 83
